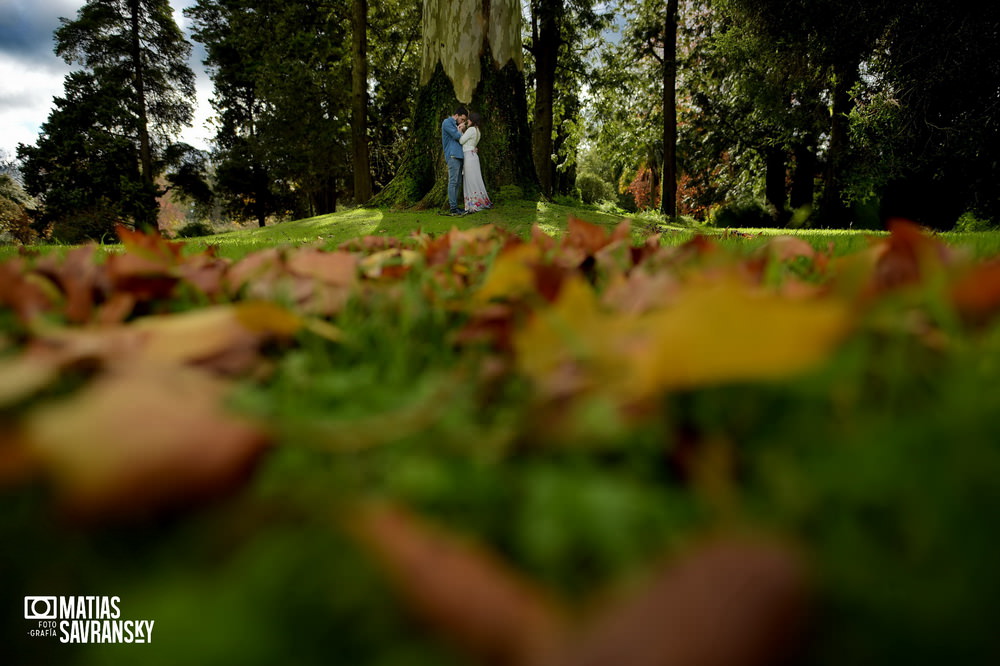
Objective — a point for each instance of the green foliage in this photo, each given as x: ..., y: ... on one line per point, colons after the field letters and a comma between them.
x: 742, y: 215
x: 194, y: 230
x: 510, y: 193
x: 593, y: 188
x: 283, y: 139
x: 968, y: 222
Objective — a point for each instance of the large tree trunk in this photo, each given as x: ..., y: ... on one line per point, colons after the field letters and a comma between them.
x: 545, y: 47
x: 359, y: 105
x: 774, y: 183
x: 803, y: 176
x: 146, y: 218
x: 472, y: 56
x: 668, y: 194
x: 834, y: 211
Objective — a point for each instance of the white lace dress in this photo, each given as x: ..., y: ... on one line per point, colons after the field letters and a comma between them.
x: 473, y: 186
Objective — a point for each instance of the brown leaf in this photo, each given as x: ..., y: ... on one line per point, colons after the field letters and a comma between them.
x: 389, y: 264
x: 909, y: 255
x: 732, y: 602
x: 977, y: 294
x: 462, y: 591
x: 788, y: 248
x: 257, y: 268
x: 27, y: 294
x: 80, y: 279
x: 334, y: 268
x: 150, y: 245
x: 225, y: 337
x: 24, y: 375
x: 133, y: 444
x: 586, y: 236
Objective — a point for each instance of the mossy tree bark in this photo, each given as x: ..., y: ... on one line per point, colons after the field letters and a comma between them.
x: 472, y: 57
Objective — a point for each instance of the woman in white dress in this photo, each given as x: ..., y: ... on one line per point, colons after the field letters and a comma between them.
x: 473, y: 186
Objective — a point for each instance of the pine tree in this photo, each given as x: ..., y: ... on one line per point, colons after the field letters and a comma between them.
x: 98, y: 156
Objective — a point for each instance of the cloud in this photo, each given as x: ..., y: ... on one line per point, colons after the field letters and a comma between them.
x: 26, y: 27
x: 31, y: 74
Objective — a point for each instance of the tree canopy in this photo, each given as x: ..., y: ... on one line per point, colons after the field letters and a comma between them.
x: 779, y: 112
x: 101, y: 150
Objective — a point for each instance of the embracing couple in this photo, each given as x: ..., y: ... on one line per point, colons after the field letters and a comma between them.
x: 460, y: 135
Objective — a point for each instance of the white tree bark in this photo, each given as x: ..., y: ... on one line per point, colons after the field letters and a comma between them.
x: 455, y: 33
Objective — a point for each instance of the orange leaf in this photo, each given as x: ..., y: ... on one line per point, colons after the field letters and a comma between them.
x: 977, y: 295
x: 585, y: 236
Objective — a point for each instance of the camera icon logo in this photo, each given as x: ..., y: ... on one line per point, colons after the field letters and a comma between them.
x: 41, y: 608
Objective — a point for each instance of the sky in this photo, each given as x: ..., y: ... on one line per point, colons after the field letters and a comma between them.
x: 31, y: 74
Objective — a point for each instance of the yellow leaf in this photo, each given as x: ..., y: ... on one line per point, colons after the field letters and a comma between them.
x: 206, y: 332
x: 730, y: 332
x: 511, y: 275
x: 710, y: 334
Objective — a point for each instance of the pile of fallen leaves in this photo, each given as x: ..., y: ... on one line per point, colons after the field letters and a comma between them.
x: 117, y: 377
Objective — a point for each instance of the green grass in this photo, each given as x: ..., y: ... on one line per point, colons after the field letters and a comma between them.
x: 883, y: 465
x: 517, y: 217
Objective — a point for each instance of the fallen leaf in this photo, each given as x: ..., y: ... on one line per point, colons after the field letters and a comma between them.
x: 131, y: 445
x: 977, y: 294
x: 333, y: 268
x: 464, y: 592
x: 511, y: 276
x: 710, y: 334
x: 24, y: 375
x: 224, y: 337
x: 730, y: 602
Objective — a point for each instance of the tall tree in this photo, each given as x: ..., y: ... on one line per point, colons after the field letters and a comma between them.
x: 394, y: 64
x: 279, y: 72
x: 231, y: 34
x: 668, y: 183
x: 561, y: 31
x: 136, y: 74
x: 472, y: 54
x: 359, y: 103
x: 926, y: 120
x: 546, y: 38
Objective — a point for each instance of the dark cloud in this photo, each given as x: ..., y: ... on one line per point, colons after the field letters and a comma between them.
x: 31, y: 74
x: 27, y: 26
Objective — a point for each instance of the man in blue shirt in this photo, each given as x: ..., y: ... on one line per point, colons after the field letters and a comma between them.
x: 451, y: 131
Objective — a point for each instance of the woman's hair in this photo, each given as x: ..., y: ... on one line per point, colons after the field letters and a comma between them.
x: 475, y: 119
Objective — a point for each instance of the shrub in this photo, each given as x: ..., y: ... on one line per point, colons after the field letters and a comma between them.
x: 593, y: 188
x: 741, y: 215
x: 194, y: 230
x: 511, y: 193
x: 969, y: 222
x: 565, y: 200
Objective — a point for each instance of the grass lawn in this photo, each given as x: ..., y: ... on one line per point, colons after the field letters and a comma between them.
x: 442, y: 453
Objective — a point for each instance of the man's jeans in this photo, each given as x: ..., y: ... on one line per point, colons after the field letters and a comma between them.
x: 454, y: 179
